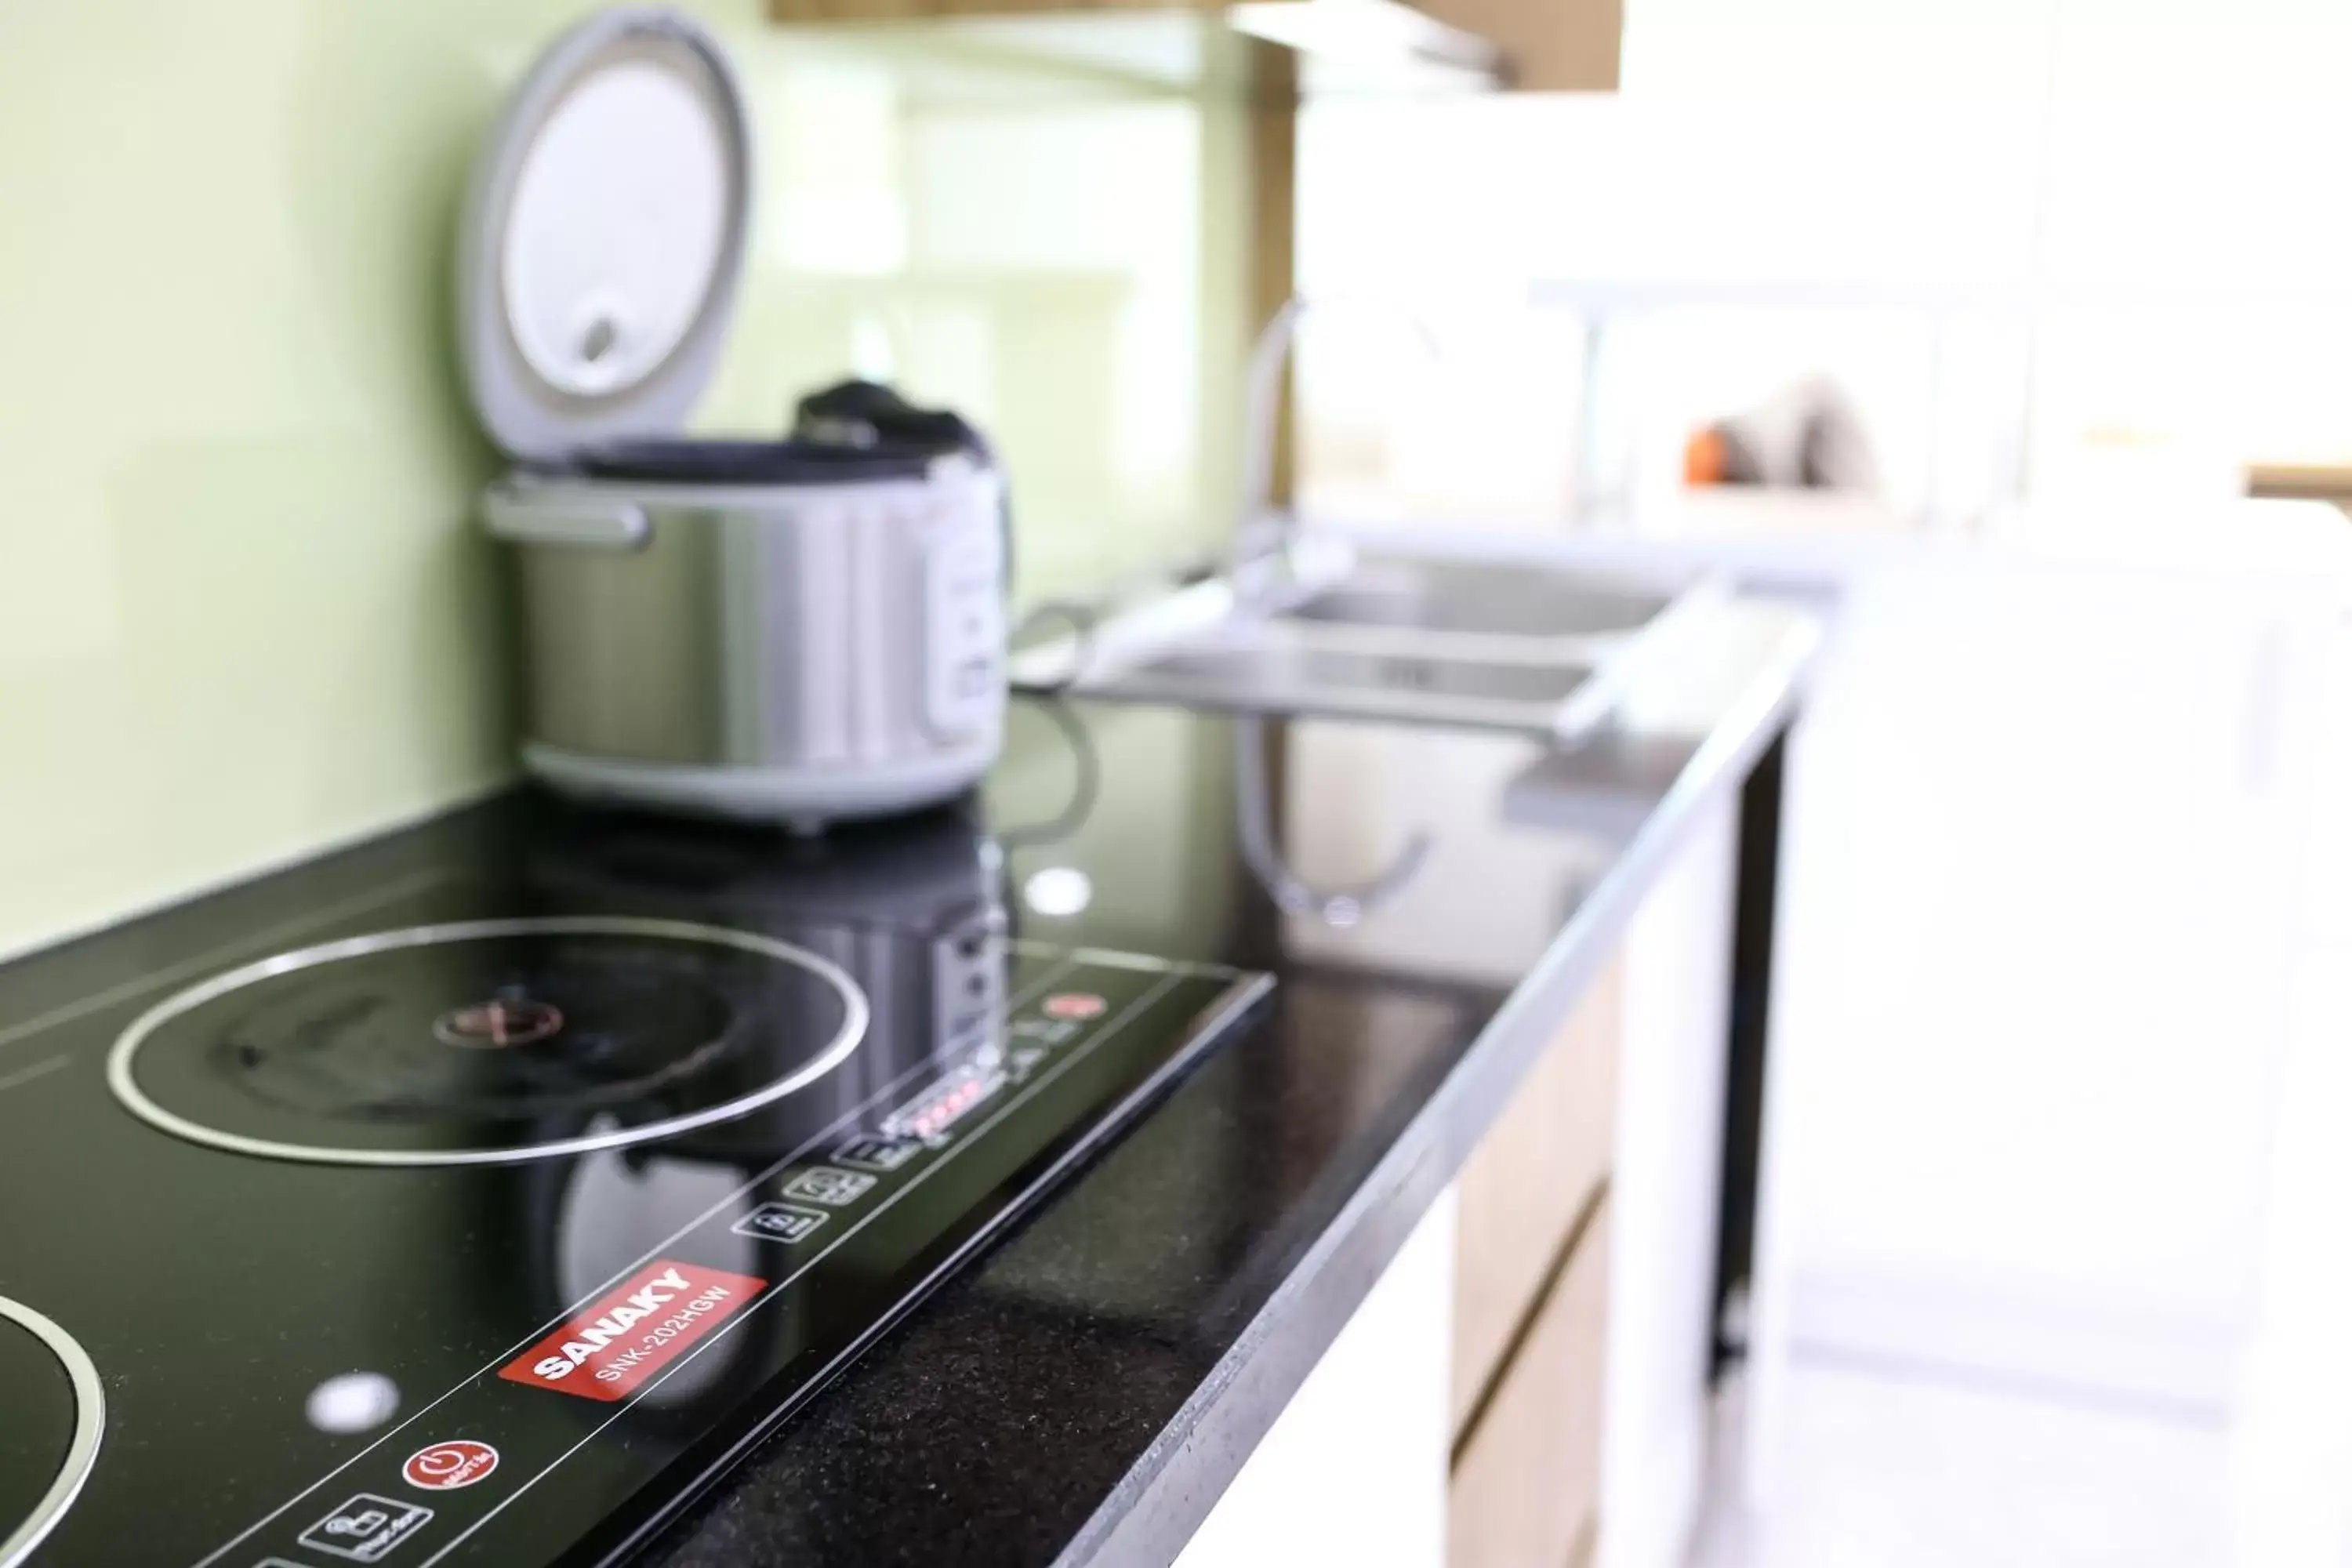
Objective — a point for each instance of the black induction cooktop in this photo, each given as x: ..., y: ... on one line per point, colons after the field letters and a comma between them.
x: 480, y: 1204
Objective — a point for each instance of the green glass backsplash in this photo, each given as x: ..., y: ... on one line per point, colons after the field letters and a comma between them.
x: 244, y: 608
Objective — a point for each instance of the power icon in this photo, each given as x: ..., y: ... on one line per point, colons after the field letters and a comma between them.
x: 446, y: 1466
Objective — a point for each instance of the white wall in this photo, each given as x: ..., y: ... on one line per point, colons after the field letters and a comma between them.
x: 2074, y: 247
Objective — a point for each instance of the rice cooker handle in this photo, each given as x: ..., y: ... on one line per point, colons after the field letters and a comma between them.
x: 596, y: 522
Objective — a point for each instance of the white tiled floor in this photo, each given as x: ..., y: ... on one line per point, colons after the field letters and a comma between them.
x: 1888, y: 1470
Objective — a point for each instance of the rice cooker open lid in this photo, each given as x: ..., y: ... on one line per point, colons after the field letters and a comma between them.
x: 604, y: 236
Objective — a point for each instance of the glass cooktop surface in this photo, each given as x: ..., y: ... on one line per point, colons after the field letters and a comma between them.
x: 486, y: 1211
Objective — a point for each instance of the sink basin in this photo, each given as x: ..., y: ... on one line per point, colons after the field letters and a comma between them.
x: 1536, y: 651
x: 1276, y: 675
x: 1482, y: 600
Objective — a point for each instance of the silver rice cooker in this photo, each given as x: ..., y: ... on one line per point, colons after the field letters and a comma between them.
x: 797, y: 630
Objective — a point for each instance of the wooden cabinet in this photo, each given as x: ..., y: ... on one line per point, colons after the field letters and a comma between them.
x: 902, y: 10
x: 1526, y: 1475
x: 1560, y: 1408
x: 1586, y: 1244
x: 1531, y: 1303
x: 1525, y: 1189
x: 1553, y: 45
x: 1550, y: 45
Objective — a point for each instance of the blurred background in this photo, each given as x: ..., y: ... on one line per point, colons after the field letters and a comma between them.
x: 2065, y: 1171
x: 2047, y: 252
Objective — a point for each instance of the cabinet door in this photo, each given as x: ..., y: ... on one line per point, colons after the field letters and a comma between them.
x: 1555, y: 45
x: 1527, y: 1476
x: 1522, y: 1193
x: 1354, y: 1469
x: 1666, y: 1196
x: 2041, y: 884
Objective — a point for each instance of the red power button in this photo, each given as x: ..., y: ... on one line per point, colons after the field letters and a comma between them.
x: 446, y: 1466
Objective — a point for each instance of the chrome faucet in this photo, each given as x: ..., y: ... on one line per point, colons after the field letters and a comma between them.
x: 1263, y: 564
x: 1263, y: 534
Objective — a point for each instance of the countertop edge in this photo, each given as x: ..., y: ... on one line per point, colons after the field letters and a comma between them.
x: 1162, y: 1502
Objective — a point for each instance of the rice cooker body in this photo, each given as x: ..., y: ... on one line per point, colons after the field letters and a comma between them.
x: 800, y: 652
x: 798, y: 630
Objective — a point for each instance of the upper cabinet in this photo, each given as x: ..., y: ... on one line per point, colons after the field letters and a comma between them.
x: 1547, y: 45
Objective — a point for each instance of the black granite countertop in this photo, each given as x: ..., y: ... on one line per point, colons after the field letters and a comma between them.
x: 1086, y: 1390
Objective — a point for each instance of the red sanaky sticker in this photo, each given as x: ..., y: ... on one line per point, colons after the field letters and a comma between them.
x: 611, y: 1346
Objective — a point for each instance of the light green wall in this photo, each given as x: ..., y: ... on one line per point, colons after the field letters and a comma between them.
x: 243, y: 608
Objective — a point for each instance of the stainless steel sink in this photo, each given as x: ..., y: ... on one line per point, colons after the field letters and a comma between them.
x: 1536, y: 651
x: 1274, y: 674
x: 1458, y: 598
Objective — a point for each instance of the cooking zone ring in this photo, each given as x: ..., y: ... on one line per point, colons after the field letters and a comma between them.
x: 122, y: 1079
x: 81, y: 1452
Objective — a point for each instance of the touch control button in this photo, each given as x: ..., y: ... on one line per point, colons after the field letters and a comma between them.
x: 367, y: 1528
x: 446, y: 1466
x: 823, y: 1184
x: 880, y: 1156
x: 787, y: 1223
